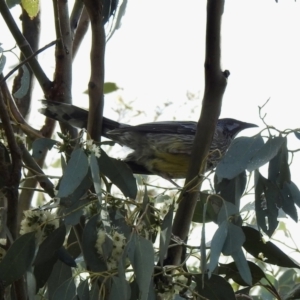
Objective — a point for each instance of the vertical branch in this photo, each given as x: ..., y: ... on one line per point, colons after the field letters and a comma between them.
x: 62, y: 89
x: 95, y: 11
x: 215, y: 84
x: 14, y: 171
x: 31, y: 32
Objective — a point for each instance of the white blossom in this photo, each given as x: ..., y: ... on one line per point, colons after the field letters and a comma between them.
x: 43, y: 222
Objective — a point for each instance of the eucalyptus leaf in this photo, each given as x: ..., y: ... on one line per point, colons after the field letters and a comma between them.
x: 40, y: 146
x: 50, y: 245
x: 237, y: 157
x: 265, y: 153
x: 214, y: 288
x: 61, y: 283
x: 17, y: 259
x: 217, y: 245
x: 165, y: 234
x: 141, y: 255
x: 89, y: 238
x: 76, y: 170
x: 119, y: 174
x: 25, y: 81
x: 242, y: 266
x: 234, y: 240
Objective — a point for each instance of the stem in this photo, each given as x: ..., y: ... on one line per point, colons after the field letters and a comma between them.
x: 95, y: 10
x: 14, y: 171
x: 215, y: 84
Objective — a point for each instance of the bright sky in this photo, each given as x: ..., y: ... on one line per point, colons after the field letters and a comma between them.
x: 158, y: 55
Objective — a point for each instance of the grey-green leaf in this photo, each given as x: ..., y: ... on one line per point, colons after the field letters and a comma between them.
x: 238, y: 155
x: 165, y: 234
x: 40, y: 146
x: 17, y: 259
x: 265, y: 153
x: 119, y: 174
x: 25, y: 81
x: 74, y: 173
x: 217, y: 245
x: 141, y: 256
x: 242, y: 265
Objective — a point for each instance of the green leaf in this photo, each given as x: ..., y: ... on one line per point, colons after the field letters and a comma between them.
x: 18, y: 259
x: 122, y: 283
x: 231, y: 190
x: 297, y: 134
x: 228, y: 209
x: 165, y: 234
x: 40, y: 146
x: 117, y: 291
x: 272, y: 254
x: 119, y: 174
x: 217, y: 244
x: 61, y: 282
x: 50, y: 245
x: 286, y: 281
x: 288, y: 204
x: 64, y: 256
x: 12, y: 3
x: 230, y: 271
x: 109, y: 87
x: 118, y: 220
x: 32, y: 7
x: 214, y: 205
x: 237, y: 157
x: 25, y: 81
x: 234, y: 240
x: 89, y: 238
x: 267, y: 201
x: 96, y: 175
x: 242, y: 266
x: 265, y: 153
x: 279, y: 170
x: 141, y: 255
x: 214, y: 288
x: 76, y: 170
x: 83, y: 290
x: 43, y: 271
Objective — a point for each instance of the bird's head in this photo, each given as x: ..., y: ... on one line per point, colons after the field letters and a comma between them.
x: 232, y: 127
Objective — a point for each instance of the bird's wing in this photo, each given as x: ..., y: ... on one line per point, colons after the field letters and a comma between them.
x: 164, y: 127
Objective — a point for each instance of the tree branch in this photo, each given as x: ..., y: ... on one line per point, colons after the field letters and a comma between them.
x: 81, y: 31
x: 62, y: 89
x: 95, y: 10
x: 13, y: 181
x: 215, y: 84
x: 31, y: 31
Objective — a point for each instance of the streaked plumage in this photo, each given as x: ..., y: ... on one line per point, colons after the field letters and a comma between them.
x: 161, y: 148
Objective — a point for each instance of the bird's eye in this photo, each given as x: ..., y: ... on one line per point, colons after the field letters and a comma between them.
x: 232, y: 126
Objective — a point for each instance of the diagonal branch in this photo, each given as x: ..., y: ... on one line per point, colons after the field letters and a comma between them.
x: 215, y: 84
x: 24, y: 46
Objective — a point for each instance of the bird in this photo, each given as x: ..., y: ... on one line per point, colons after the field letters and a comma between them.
x: 159, y: 148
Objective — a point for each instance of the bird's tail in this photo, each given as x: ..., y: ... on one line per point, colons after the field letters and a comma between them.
x: 74, y: 115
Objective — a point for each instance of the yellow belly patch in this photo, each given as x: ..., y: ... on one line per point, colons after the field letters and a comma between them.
x: 172, y: 165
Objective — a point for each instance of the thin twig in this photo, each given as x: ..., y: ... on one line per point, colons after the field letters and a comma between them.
x: 26, y: 61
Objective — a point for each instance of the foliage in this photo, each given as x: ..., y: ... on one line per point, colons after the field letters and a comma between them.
x: 103, y: 233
